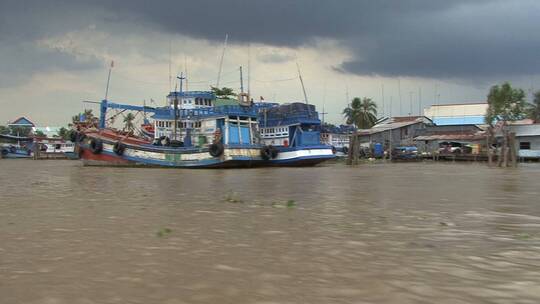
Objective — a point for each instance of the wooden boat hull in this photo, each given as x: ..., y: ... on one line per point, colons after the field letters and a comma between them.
x: 140, y: 154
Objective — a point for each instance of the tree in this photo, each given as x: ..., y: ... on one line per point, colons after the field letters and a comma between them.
x: 223, y: 93
x: 128, y: 122
x: 63, y: 133
x: 533, y: 111
x: 362, y: 113
x: 4, y: 130
x: 39, y: 133
x: 505, y: 104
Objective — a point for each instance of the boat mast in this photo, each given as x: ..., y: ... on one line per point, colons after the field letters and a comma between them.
x: 249, y: 71
x: 241, y: 81
x: 176, y: 106
x: 221, y: 60
x: 302, y: 83
x: 109, y: 80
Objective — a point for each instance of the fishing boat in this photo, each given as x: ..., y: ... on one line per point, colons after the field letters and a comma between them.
x: 338, y: 137
x: 190, y: 132
x: 15, y: 146
x: 15, y: 151
x: 291, y: 134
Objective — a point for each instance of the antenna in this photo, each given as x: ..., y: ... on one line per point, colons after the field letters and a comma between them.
x: 302, y: 83
x: 221, y: 59
x: 185, y: 71
x: 170, y: 59
x: 347, y: 94
x: 109, y: 80
x: 420, y: 101
x: 249, y: 70
x: 241, y: 81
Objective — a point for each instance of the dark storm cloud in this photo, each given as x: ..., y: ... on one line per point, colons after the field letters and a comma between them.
x: 422, y: 38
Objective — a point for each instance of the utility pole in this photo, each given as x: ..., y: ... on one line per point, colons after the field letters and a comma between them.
x: 399, y: 93
x: 410, y: 101
x: 382, y: 93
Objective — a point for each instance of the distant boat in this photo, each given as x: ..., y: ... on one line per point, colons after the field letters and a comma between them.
x: 15, y: 151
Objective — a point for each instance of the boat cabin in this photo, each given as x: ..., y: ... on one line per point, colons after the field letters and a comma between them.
x: 296, y: 124
x: 200, y: 122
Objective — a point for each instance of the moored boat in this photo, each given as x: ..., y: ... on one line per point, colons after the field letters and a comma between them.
x: 188, y: 133
x: 292, y: 135
x: 15, y: 151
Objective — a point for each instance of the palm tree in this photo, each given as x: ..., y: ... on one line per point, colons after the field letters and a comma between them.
x: 534, y: 108
x: 362, y: 113
x: 223, y: 93
x: 128, y: 120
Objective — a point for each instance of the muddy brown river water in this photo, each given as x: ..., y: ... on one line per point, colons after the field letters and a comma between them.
x: 379, y: 233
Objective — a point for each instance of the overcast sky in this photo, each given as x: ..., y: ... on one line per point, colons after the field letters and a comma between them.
x: 54, y: 54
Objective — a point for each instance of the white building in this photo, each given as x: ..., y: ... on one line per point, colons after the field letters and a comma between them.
x: 457, y: 114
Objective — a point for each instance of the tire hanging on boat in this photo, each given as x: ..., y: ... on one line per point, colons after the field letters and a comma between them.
x: 5, y: 152
x: 266, y: 153
x: 273, y: 152
x: 216, y: 149
x: 119, y: 148
x: 96, y: 145
x: 345, y: 150
x: 165, y: 141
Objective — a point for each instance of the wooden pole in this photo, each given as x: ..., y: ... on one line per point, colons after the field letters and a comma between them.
x: 488, y: 147
x: 352, y: 143
x: 513, y: 152
x: 505, y: 147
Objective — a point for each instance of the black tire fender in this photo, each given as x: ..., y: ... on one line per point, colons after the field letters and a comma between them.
x: 96, y: 145
x: 274, y: 152
x: 266, y: 153
x: 216, y: 149
x: 119, y: 148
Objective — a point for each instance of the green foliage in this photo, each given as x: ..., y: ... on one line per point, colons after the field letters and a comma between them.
x: 163, y: 232
x: 20, y: 131
x: 223, y: 93
x: 88, y: 116
x: 362, y: 113
x: 291, y: 204
x: 63, y: 133
x: 39, y: 133
x: 533, y: 109
x: 4, y: 130
x: 328, y: 126
x: 505, y: 103
x: 128, y: 122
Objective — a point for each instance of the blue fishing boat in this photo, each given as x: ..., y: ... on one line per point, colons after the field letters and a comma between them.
x: 190, y: 132
x: 15, y: 151
x: 291, y: 134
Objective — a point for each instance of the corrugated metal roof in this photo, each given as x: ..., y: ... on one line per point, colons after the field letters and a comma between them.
x: 525, y: 130
x: 478, y: 136
x: 393, y: 123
